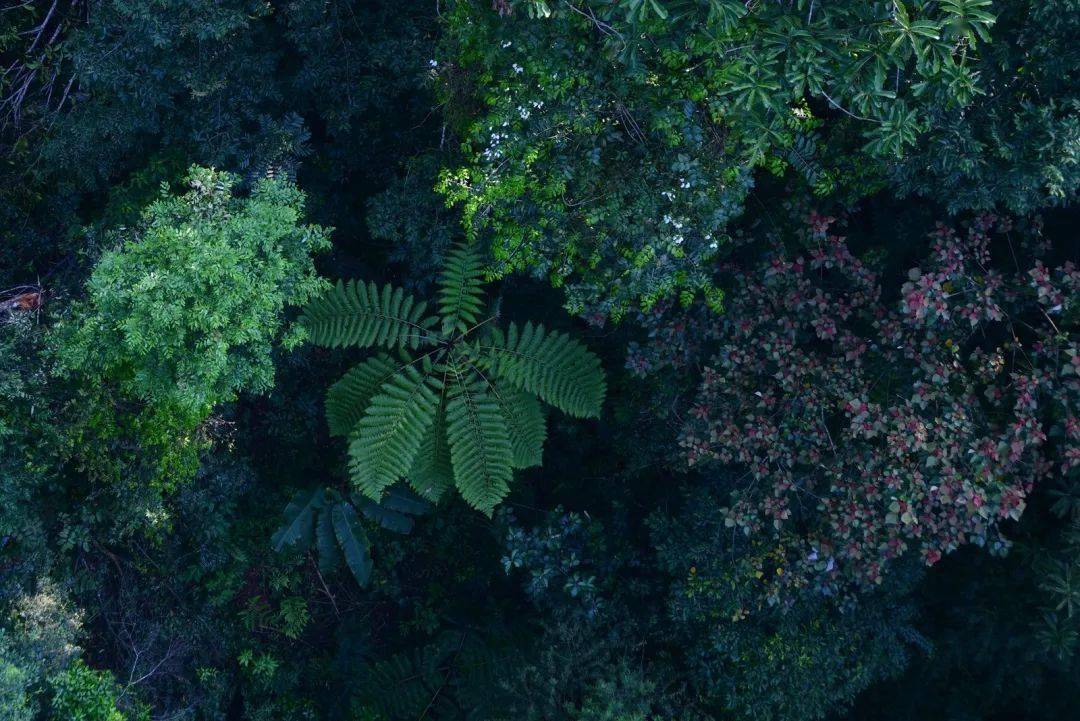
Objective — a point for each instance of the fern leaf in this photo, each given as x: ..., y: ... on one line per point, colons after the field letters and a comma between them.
x: 525, y: 424
x: 480, y: 450
x: 404, y: 685
x: 347, y: 399
x: 460, y: 289
x: 432, y: 472
x: 359, y: 314
x: 387, y: 438
x: 299, y: 523
x: 353, y: 541
x: 554, y: 366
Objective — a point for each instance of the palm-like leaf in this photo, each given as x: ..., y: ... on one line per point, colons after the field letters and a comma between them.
x: 359, y: 314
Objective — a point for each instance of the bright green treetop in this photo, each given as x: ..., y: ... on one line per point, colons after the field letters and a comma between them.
x: 187, y: 308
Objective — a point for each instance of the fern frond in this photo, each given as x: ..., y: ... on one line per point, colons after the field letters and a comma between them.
x: 388, y: 436
x: 432, y: 472
x: 525, y: 424
x: 347, y: 399
x: 460, y: 289
x: 554, y: 366
x: 359, y: 314
x: 353, y: 541
x: 406, y: 684
x: 299, y: 520
x: 480, y: 450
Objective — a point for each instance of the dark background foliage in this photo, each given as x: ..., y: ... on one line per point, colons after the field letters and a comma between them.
x: 136, y: 574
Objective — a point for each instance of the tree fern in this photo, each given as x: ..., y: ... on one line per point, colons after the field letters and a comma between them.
x: 463, y: 409
x: 358, y: 314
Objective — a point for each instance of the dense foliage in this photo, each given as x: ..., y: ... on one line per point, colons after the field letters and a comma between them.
x: 751, y: 330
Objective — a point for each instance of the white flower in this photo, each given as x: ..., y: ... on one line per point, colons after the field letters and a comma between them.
x: 517, y: 68
x: 506, y: 44
x: 433, y: 63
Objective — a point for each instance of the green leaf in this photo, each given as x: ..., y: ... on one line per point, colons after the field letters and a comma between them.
x: 388, y: 519
x: 353, y: 541
x: 299, y: 520
x: 525, y: 424
x: 392, y: 513
x: 403, y: 500
x: 326, y: 543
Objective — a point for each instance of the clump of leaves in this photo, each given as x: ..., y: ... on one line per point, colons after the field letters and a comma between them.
x: 329, y: 520
x: 457, y: 402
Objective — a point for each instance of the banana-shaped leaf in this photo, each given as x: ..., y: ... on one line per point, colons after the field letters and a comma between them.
x: 326, y: 543
x: 394, y: 511
x: 353, y: 541
x: 299, y: 523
